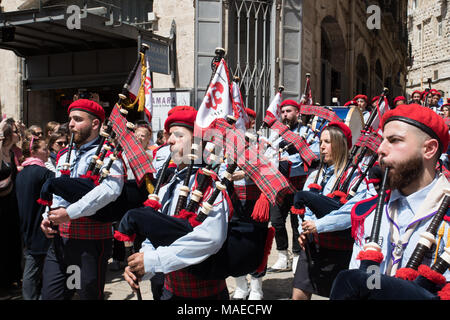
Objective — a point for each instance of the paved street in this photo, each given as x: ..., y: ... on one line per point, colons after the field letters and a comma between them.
x: 276, y: 286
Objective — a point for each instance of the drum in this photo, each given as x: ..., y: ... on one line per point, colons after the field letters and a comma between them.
x: 352, y: 117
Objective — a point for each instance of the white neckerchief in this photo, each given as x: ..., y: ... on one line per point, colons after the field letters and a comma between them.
x: 428, y: 208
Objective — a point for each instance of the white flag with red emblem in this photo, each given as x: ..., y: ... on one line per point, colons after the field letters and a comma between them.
x: 274, y: 109
x: 140, y: 88
x: 243, y: 121
x: 217, y: 102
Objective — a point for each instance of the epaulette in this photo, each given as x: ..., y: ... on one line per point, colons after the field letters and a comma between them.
x: 61, y: 153
x: 359, y: 213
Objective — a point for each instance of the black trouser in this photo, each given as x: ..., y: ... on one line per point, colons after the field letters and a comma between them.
x: 73, y: 264
x: 278, y: 215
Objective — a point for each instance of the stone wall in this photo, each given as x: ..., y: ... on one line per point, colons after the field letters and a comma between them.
x: 430, y: 51
x: 183, y: 13
x: 11, y: 74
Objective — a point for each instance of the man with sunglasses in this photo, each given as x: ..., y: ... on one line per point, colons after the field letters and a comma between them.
x: 36, y: 131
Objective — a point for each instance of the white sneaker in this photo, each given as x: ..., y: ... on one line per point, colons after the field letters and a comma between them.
x: 282, y: 264
x: 256, y: 292
x: 241, y: 292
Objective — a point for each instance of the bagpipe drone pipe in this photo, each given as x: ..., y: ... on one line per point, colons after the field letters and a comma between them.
x: 73, y: 189
x: 321, y: 204
x: 416, y: 281
x: 245, y: 247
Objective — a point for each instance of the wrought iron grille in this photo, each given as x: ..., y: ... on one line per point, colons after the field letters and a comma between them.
x: 249, y: 53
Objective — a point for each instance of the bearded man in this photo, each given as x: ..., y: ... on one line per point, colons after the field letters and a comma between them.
x: 81, y: 247
x: 413, y: 139
x: 292, y: 166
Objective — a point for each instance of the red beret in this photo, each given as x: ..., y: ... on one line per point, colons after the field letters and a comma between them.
x: 424, y: 94
x: 375, y: 99
x: 250, y: 112
x: 88, y: 106
x: 399, y: 98
x: 423, y: 118
x: 345, y: 130
x: 183, y: 116
x: 361, y: 96
x: 435, y: 92
x: 289, y: 102
x: 350, y: 103
x: 416, y: 91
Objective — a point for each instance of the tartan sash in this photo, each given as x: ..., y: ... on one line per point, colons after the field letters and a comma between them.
x: 139, y: 160
x: 370, y: 140
x: 256, y: 166
x: 297, y: 141
x: 321, y: 112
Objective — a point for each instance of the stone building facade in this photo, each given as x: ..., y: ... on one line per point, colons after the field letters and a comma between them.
x: 429, y: 34
x: 270, y: 43
x: 11, y: 71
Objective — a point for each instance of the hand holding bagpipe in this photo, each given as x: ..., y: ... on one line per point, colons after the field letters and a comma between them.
x: 414, y: 282
x: 73, y: 189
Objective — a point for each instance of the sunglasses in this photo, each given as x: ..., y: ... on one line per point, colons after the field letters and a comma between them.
x: 61, y: 143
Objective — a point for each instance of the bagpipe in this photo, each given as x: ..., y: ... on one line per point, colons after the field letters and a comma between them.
x: 245, y: 247
x: 73, y: 189
x: 415, y: 281
x: 341, y: 191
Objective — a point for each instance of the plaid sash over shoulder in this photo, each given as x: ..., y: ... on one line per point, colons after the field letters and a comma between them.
x: 263, y: 173
x: 321, y: 112
x: 298, y: 142
x: 139, y: 160
x: 370, y: 140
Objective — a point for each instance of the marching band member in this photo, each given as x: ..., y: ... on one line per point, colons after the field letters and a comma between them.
x: 291, y: 165
x: 334, y: 250
x: 203, y: 241
x: 434, y: 102
x: 399, y: 101
x: 416, y: 97
x: 413, y: 139
x: 80, y: 241
x: 363, y: 104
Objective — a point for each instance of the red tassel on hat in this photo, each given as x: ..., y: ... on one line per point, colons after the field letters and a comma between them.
x: 407, y: 274
x: 261, y: 209
x: 119, y: 236
x: 267, y: 248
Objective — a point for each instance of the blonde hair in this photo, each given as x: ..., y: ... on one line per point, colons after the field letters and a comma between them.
x: 339, y: 148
